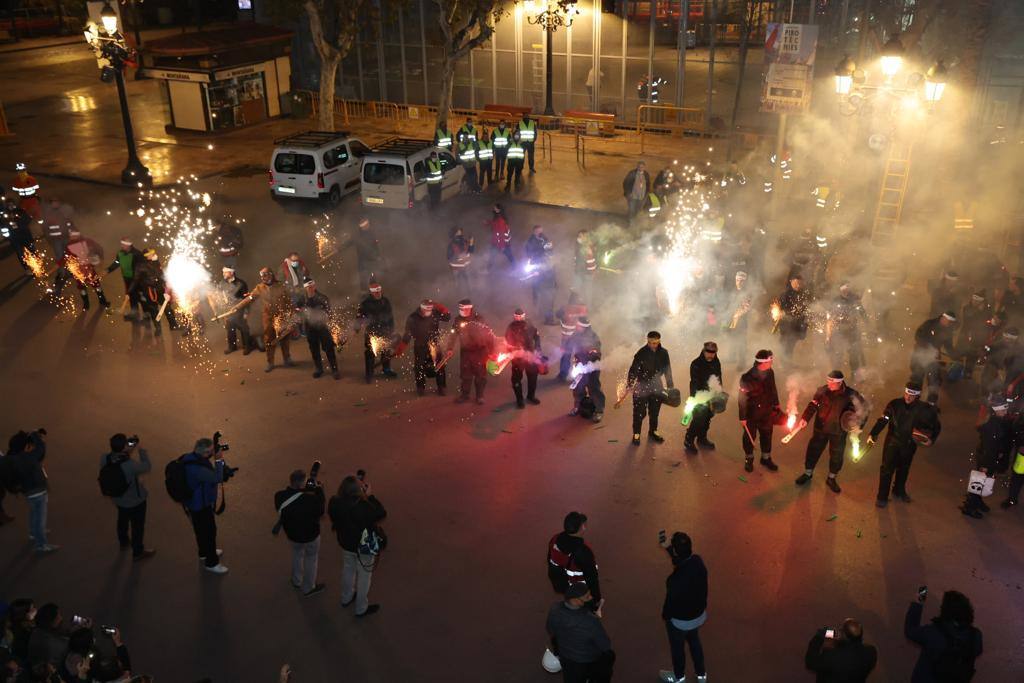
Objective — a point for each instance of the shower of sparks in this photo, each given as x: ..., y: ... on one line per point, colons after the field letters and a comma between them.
x: 377, y: 344
x: 34, y: 263
x: 855, y: 453
x: 78, y: 271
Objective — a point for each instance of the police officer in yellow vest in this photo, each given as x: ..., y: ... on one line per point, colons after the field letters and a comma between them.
x: 516, y: 157
x: 485, y: 155
x: 442, y: 136
x: 500, y: 139
x: 528, y: 137
x: 467, y: 157
x: 435, y: 176
x: 468, y: 131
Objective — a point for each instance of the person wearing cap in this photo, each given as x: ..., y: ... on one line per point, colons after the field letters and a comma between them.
x: 932, y: 338
x: 316, y: 316
x: 293, y: 274
x: 375, y: 314
x: 84, y: 255
x: 277, y: 315
x: 460, y: 255
x: 584, y: 266
x: 228, y: 239
x: 423, y: 328
x: 705, y: 371
x: 582, y: 645
x: 369, y: 259
x: 759, y: 409
x: 843, y: 329
x: 567, y: 316
x: 794, y: 303
x: 974, y: 331
x: 57, y: 217
x: 995, y: 445
x: 150, y: 288
x: 27, y: 188
x: 946, y: 294
x: 585, y: 351
x: 830, y: 407
x: 127, y: 259
x: 476, y: 341
x: 236, y: 324
x: 739, y: 300
x: 907, y: 417
x: 571, y: 560
x: 541, y: 273
x: 523, y: 341
x: 644, y: 378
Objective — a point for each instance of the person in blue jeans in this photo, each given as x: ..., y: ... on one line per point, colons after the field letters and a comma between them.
x: 685, y: 608
x: 203, y: 477
x: 27, y: 452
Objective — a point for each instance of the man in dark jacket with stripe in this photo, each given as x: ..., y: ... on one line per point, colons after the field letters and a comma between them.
x: 904, y: 417
x: 299, y: 509
x: 570, y: 559
x: 834, y: 407
x: 759, y: 409
x: 702, y: 369
x: 650, y: 364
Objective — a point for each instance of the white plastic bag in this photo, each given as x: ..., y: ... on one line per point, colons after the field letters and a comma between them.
x: 981, y: 484
x: 550, y: 662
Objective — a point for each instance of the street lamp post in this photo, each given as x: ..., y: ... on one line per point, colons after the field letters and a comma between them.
x: 551, y: 19
x: 109, y: 45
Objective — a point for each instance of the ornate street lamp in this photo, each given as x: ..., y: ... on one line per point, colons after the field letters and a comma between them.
x: 892, y: 57
x: 935, y: 82
x: 552, y: 18
x: 844, y: 75
x: 110, y: 47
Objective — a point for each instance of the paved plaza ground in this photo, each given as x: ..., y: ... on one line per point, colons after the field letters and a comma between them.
x: 473, y: 493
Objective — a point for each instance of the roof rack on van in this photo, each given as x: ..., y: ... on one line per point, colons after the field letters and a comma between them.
x: 402, y: 146
x: 312, y: 138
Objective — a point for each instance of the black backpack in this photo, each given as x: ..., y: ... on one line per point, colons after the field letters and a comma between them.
x: 8, y: 475
x: 112, y: 479
x: 176, y: 481
x: 955, y: 664
x: 587, y: 407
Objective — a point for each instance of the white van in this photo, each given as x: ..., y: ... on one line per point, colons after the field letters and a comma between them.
x: 316, y: 165
x: 395, y: 173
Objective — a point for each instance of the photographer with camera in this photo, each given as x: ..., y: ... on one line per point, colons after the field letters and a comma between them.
x: 685, y: 607
x: 839, y: 655
x: 299, y: 509
x: 949, y: 645
x: 26, y: 452
x: 201, y: 478
x: 355, y: 517
x: 119, y: 480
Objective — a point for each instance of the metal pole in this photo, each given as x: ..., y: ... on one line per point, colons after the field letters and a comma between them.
x: 810, y: 11
x: 744, y: 40
x: 549, y: 109
x: 684, y: 11
x: 134, y: 172
x: 711, y: 62
x: 653, y: 5
x: 863, y: 32
x: 135, y: 24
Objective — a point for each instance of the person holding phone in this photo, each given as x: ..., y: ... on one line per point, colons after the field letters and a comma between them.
x: 685, y: 607
x: 131, y: 501
x: 49, y: 640
x: 950, y: 644
x: 354, y: 513
x: 839, y: 655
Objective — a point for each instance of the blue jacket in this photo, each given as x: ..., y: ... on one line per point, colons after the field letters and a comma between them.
x: 202, y: 476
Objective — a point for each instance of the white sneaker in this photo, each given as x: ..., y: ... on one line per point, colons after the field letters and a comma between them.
x: 702, y: 678
x: 46, y: 548
x: 669, y: 677
x: 217, y: 569
x: 219, y: 553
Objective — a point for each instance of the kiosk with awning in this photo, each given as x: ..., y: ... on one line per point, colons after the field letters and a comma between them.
x: 222, y: 79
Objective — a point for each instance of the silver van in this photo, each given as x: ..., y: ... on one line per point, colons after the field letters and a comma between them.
x: 395, y: 173
x: 316, y: 165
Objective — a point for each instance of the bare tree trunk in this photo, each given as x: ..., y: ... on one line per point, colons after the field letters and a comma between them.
x: 328, y: 72
x: 444, y: 98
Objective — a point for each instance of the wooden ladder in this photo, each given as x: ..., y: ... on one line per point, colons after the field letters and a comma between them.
x: 893, y: 190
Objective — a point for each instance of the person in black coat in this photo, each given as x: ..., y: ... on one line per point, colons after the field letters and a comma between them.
x: 316, y: 314
x: 903, y: 416
x: 650, y: 364
x: 702, y: 369
x: 355, y: 511
x: 995, y: 441
x: 949, y: 645
x: 523, y: 341
x: 794, y: 304
x: 236, y: 324
x: 932, y: 338
x: 299, y: 509
x: 423, y: 329
x: 841, y: 656
x: 375, y: 312
x: 571, y: 560
x: 833, y: 407
x: 759, y: 409
x: 685, y: 608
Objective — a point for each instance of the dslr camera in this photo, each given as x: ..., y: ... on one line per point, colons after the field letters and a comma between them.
x: 311, y: 483
x: 218, y: 448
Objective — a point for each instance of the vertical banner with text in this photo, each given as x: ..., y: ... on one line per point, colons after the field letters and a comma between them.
x: 789, y: 67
